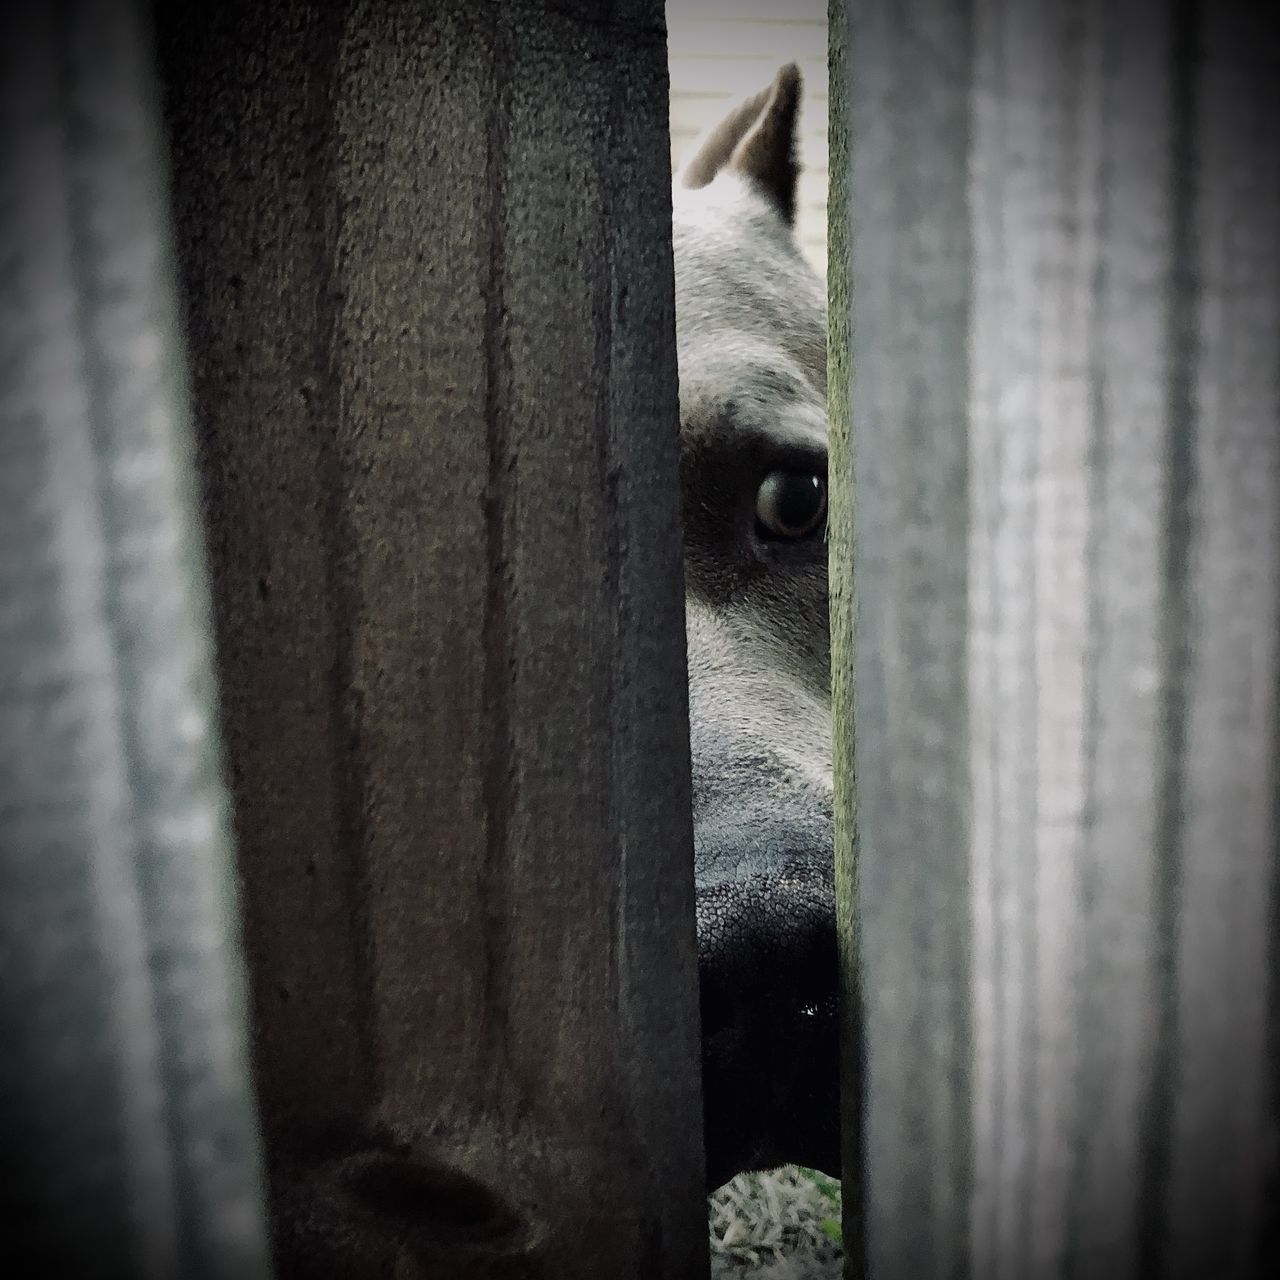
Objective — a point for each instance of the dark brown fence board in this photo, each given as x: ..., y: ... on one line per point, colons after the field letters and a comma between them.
x: 430, y: 300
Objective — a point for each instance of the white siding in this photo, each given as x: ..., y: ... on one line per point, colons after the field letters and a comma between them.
x: 722, y: 53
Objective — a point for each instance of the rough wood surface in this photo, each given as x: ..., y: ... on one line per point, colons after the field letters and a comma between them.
x: 841, y: 588
x: 1065, y: 404
x: 430, y: 302
x: 128, y: 1143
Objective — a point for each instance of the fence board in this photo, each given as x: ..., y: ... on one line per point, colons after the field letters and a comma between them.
x: 430, y: 301
x: 1065, y: 406
x: 129, y: 1141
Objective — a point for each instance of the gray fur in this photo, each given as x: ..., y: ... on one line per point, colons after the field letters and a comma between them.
x: 751, y: 339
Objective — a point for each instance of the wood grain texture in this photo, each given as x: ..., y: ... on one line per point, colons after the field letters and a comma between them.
x: 431, y: 302
x: 128, y: 1142
x: 842, y: 590
x: 1065, y: 398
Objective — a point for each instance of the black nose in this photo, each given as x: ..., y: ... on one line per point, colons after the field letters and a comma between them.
x: 767, y: 968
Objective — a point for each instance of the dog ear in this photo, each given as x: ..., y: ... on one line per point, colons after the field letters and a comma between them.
x: 758, y: 140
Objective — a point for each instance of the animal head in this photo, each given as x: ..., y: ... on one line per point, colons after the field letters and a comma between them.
x: 751, y: 341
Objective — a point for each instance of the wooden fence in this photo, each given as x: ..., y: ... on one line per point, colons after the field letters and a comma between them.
x: 430, y: 319
x: 428, y: 326
x: 1057, y: 346
x: 433, y: 346
x: 128, y: 1140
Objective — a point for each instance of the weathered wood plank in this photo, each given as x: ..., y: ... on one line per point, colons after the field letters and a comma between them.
x: 842, y: 603
x: 431, y: 307
x: 1065, y: 399
x: 130, y: 1147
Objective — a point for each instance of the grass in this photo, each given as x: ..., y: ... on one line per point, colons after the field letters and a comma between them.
x: 781, y: 1225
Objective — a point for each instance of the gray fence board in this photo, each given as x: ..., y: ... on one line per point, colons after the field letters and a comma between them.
x: 129, y: 1140
x: 431, y: 309
x: 1065, y: 407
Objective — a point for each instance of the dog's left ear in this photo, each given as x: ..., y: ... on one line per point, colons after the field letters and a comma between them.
x: 758, y: 140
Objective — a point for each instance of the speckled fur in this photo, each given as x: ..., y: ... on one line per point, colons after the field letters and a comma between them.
x: 751, y: 341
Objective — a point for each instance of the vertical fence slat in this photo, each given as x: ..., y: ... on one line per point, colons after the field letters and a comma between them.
x: 1064, y: 295
x: 909, y: 297
x: 1224, y: 1092
x: 842, y: 604
x: 430, y: 298
x: 129, y: 1140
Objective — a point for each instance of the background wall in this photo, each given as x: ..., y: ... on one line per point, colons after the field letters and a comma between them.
x: 721, y: 52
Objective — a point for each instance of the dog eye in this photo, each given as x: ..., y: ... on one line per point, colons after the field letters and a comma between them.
x: 791, y: 505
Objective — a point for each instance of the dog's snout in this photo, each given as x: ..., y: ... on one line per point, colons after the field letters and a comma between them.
x: 766, y: 924
x: 769, y: 836
x: 767, y: 970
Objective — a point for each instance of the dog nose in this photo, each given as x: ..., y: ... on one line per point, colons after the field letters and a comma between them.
x: 768, y: 975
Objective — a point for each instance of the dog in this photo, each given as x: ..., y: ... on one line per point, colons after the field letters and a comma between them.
x: 751, y: 339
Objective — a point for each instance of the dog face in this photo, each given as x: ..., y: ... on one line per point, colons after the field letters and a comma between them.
x: 751, y: 340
